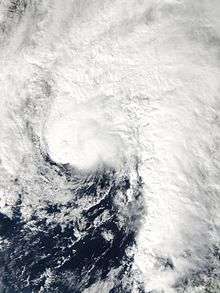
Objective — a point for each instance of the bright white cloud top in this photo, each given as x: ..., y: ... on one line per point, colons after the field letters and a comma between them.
x: 82, y: 136
x: 112, y: 83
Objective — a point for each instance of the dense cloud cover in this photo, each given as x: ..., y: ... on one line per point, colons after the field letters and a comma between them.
x: 109, y: 146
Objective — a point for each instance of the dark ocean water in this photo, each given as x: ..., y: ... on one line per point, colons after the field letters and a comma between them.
x: 76, y: 262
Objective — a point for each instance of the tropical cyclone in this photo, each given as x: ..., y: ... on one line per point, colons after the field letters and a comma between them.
x: 125, y: 91
x: 83, y: 135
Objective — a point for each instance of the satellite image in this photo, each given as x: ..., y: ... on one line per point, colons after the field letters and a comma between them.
x: 109, y: 146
